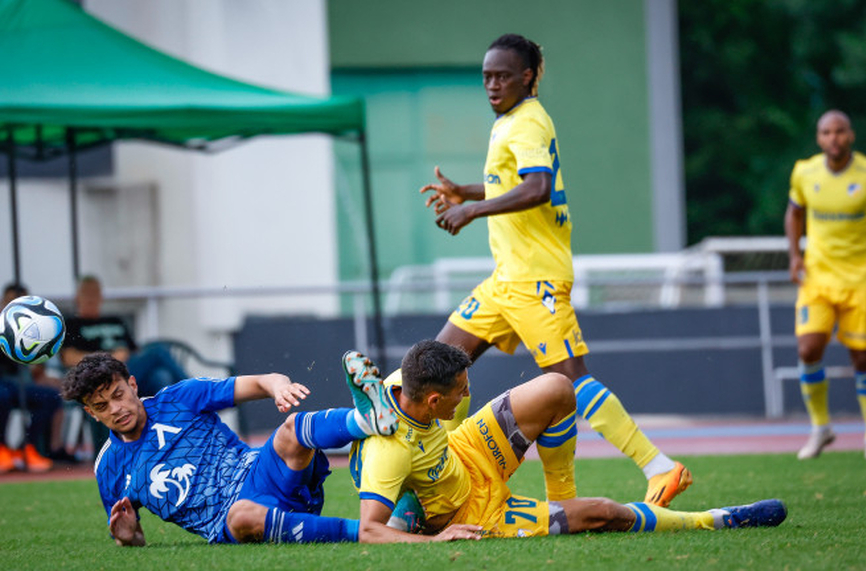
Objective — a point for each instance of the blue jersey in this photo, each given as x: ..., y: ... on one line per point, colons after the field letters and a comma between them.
x: 187, y: 467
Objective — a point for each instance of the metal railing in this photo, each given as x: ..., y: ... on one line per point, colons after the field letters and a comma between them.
x: 746, y: 288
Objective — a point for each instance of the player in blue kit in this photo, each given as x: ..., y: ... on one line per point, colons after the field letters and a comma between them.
x: 172, y: 454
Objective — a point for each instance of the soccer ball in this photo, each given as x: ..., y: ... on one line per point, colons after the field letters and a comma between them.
x: 32, y: 330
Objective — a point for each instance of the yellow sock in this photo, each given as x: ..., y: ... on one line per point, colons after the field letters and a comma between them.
x: 609, y: 418
x: 653, y: 518
x: 814, y: 387
x: 460, y: 415
x: 556, y: 450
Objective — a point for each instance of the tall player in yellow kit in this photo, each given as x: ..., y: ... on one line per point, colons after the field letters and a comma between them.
x: 528, y: 297
x: 828, y: 201
x: 461, y: 477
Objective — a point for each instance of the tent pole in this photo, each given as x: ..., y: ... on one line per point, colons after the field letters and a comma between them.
x: 13, y: 205
x: 73, y: 200
x: 381, y: 357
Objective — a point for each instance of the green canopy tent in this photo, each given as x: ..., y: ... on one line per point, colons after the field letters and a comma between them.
x: 71, y: 82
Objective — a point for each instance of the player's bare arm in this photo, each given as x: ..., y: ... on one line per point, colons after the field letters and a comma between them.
x: 124, y: 526
x: 794, y: 225
x: 448, y: 193
x: 533, y: 191
x: 285, y: 393
x: 373, y: 529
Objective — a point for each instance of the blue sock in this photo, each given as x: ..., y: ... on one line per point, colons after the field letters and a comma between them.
x: 356, y: 429
x: 291, y: 527
x: 325, y: 428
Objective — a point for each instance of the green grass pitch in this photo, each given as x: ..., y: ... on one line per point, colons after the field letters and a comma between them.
x: 60, y: 525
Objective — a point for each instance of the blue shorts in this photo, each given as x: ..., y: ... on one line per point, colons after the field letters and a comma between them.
x: 272, y: 484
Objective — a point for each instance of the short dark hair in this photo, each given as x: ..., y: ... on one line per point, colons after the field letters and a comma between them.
x: 92, y: 372
x: 431, y: 365
x: 529, y: 52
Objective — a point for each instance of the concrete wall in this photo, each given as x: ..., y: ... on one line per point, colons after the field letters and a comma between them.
x: 610, y: 86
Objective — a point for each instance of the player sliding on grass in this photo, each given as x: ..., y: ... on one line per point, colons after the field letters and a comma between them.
x: 460, y: 477
x: 172, y: 454
x: 528, y: 297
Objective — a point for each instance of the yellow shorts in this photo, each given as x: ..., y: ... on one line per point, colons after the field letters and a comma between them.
x: 538, y: 313
x: 481, y: 445
x: 820, y: 307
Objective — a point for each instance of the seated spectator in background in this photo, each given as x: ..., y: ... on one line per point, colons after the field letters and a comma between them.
x: 89, y: 331
x: 40, y: 395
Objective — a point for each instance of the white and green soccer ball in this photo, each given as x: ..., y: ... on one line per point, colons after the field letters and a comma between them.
x: 32, y: 330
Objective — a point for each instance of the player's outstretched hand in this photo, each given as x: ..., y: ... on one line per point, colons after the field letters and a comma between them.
x: 455, y: 219
x: 447, y: 194
x: 459, y: 531
x: 123, y: 523
x: 289, y: 394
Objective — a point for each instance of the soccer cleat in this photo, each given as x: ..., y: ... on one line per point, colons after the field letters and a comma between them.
x: 663, y: 488
x: 408, y: 514
x: 766, y: 513
x: 368, y: 392
x: 7, y: 462
x: 34, y: 461
x: 820, y: 438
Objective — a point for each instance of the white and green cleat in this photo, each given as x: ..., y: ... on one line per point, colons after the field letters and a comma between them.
x: 368, y: 392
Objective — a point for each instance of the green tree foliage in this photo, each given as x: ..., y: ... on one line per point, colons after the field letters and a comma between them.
x: 756, y: 75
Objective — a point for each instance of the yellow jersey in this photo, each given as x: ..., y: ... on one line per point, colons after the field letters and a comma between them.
x: 416, y: 457
x: 835, y: 206
x: 533, y: 244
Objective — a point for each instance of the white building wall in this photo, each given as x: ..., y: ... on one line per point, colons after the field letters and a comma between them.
x: 261, y: 214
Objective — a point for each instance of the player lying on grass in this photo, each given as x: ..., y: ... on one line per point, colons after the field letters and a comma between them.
x: 172, y: 454
x: 461, y: 477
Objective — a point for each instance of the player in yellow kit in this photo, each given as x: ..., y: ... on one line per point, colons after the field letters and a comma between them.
x: 460, y: 477
x: 528, y: 297
x: 828, y: 201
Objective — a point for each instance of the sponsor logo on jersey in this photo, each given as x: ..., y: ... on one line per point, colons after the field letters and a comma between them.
x: 484, y: 430
x: 165, y: 480
x: 492, y: 179
x: 436, y: 471
x: 837, y: 216
x: 543, y: 348
x: 854, y: 188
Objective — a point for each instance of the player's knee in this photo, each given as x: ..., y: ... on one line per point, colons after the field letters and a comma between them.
x: 810, y: 348
x: 858, y: 359
x: 559, y: 389
x: 246, y: 521
x: 287, y: 428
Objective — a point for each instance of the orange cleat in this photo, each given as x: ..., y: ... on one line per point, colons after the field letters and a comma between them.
x: 7, y: 462
x: 663, y: 488
x: 36, y: 462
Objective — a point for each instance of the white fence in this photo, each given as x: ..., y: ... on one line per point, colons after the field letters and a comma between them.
x: 695, y: 277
